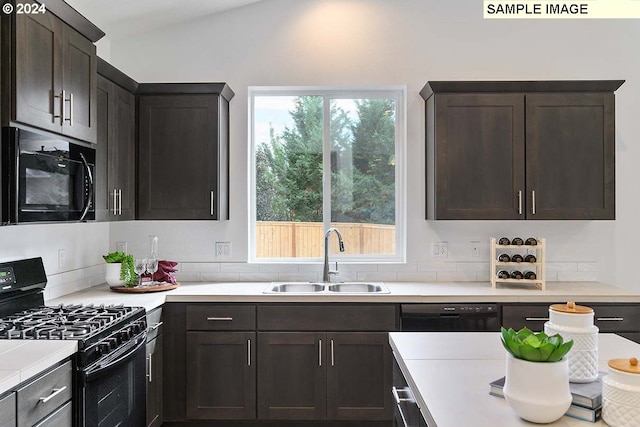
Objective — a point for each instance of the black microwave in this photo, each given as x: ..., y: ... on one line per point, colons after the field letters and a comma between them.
x: 45, y: 178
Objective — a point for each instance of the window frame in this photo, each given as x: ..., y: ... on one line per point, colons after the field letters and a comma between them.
x: 335, y: 92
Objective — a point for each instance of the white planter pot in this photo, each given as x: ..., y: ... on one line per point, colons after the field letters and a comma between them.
x: 112, y: 276
x: 537, y: 391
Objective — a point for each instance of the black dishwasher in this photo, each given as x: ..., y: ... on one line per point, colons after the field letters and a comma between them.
x: 449, y: 317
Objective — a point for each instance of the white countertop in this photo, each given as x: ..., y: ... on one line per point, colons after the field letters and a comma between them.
x: 450, y: 373
x: 24, y: 359
x: 401, y: 292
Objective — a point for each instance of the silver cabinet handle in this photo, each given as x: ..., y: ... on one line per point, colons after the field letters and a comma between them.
x: 212, y: 211
x: 70, y: 119
x: 62, y: 97
x: 536, y: 319
x: 54, y: 393
x: 115, y: 201
x: 398, y: 399
x: 520, y: 202
x: 332, y: 356
x: 319, y: 352
x: 248, y: 352
x: 609, y: 319
x: 156, y: 326
x: 120, y: 201
x: 150, y: 367
x: 533, y: 202
x: 217, y: 319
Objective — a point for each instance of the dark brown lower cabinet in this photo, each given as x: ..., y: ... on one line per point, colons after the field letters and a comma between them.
x: 292, y: 375
x: 318, y: 376
x: 359, y: 376
x: 154, y: 382
x: 221, y: 375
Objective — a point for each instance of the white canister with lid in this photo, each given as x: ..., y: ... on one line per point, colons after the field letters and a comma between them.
x: 621, y: 393
x: 575, y: 322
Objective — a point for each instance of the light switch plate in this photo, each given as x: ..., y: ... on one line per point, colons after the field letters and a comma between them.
x: 439, y: 250
x: 223, y: 250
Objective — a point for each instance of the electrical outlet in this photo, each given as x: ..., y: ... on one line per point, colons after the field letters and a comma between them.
x: 439, y: 250
x: 531, y: 251
x: 121, y: 247
x: 223, y: 250
x: 62, y: 257
x: 475, y: 248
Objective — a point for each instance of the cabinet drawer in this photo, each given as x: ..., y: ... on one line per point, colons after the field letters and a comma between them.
x: 39, y: 398
x: 297, y: 317
x: 531, y: 316
x: 221, y: 317
x: 617, y: 317
x: 154, y: 323
x: 8, y: 411
x: 63, y: 417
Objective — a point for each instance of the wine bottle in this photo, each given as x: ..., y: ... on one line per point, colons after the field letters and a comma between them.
x: 504, y: 241
x: 531, y: 241
x: 515, y: 274
x: 517, y: 241
x: 530, y: 275
x: 530, y: 258
x: 517, y: 258
x: 503, y: 258
x: 503, y: 274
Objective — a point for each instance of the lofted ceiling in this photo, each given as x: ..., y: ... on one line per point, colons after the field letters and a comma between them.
x: 122, y: 18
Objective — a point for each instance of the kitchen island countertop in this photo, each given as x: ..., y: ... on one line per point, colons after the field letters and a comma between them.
x: 449, y: 375
x: 400, y: 292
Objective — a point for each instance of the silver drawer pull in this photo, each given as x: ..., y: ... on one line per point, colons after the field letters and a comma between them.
x: 396, y: 395
x: 536, y: 319
x: 320, y: 353
x: 54, y: 393
x: 216, y: 319
x: 610, y: 319
x: 248, y: 352
x: 150, y: 376
x: 156, y: 326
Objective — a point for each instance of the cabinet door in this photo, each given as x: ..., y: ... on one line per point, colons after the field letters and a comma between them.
x: 8, y: 411
x: 359, y: 376
x: 479, y: 156
x: 154, y: 382
x: 221, y: 375
x: 292, y: 375
x: 122, y: 153
x: 178, y: 157
x: 79, y: 73
x: 531, y: 316
x: 570, y: 156
x: 38, y: 70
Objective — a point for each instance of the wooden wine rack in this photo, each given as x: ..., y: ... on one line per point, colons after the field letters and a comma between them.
x: 539, y: 265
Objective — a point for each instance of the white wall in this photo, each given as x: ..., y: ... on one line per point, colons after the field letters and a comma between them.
x: 406, y: 42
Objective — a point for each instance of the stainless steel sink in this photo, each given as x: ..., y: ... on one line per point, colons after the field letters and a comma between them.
x: 326, y: 288
x: 358, y: 288
x: 296, y: 288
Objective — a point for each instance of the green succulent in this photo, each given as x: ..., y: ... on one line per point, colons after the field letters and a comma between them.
x: 127, y: 273
x: 539, y: 347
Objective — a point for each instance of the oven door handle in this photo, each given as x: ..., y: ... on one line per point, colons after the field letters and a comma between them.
x: 93, y: 373
x: 90, y: 195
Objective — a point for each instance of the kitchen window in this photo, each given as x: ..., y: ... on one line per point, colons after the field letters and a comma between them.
x: 327, y: 157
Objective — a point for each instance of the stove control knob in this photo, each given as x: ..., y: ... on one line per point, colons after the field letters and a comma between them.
x: 124, y: 335
x: 113, y: 343
x: 137, y: 328
x: 104, y: 348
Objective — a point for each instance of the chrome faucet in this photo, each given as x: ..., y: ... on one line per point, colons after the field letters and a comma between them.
x: 326, y: 272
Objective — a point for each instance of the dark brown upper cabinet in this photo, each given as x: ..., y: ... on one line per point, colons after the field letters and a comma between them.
x: 116, y: 149
x: 53, y: 76
x: 183, y: 156
x: 520, y: 150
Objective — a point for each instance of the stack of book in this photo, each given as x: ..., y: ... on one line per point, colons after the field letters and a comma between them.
x: 587, y: 398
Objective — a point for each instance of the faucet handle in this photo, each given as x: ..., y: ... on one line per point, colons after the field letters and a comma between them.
x: 334, y: 271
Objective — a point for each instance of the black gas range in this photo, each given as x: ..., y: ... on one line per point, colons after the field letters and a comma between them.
x: 110, y: 363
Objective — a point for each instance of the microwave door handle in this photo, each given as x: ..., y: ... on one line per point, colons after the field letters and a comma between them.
x: 90, y: 195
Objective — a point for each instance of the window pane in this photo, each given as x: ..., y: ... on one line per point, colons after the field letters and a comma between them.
x: 363, y: 174
x: 288, y: 132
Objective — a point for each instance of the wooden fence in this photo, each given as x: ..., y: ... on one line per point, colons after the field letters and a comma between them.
x: 306, y: 240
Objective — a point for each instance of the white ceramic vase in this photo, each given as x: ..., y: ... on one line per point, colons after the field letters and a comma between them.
x: 537, y: 391
x: 112, y: 275
x: 621, y: 397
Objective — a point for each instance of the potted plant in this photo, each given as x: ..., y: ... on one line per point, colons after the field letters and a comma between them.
x: 537, y: 378
x: 119, y: 269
